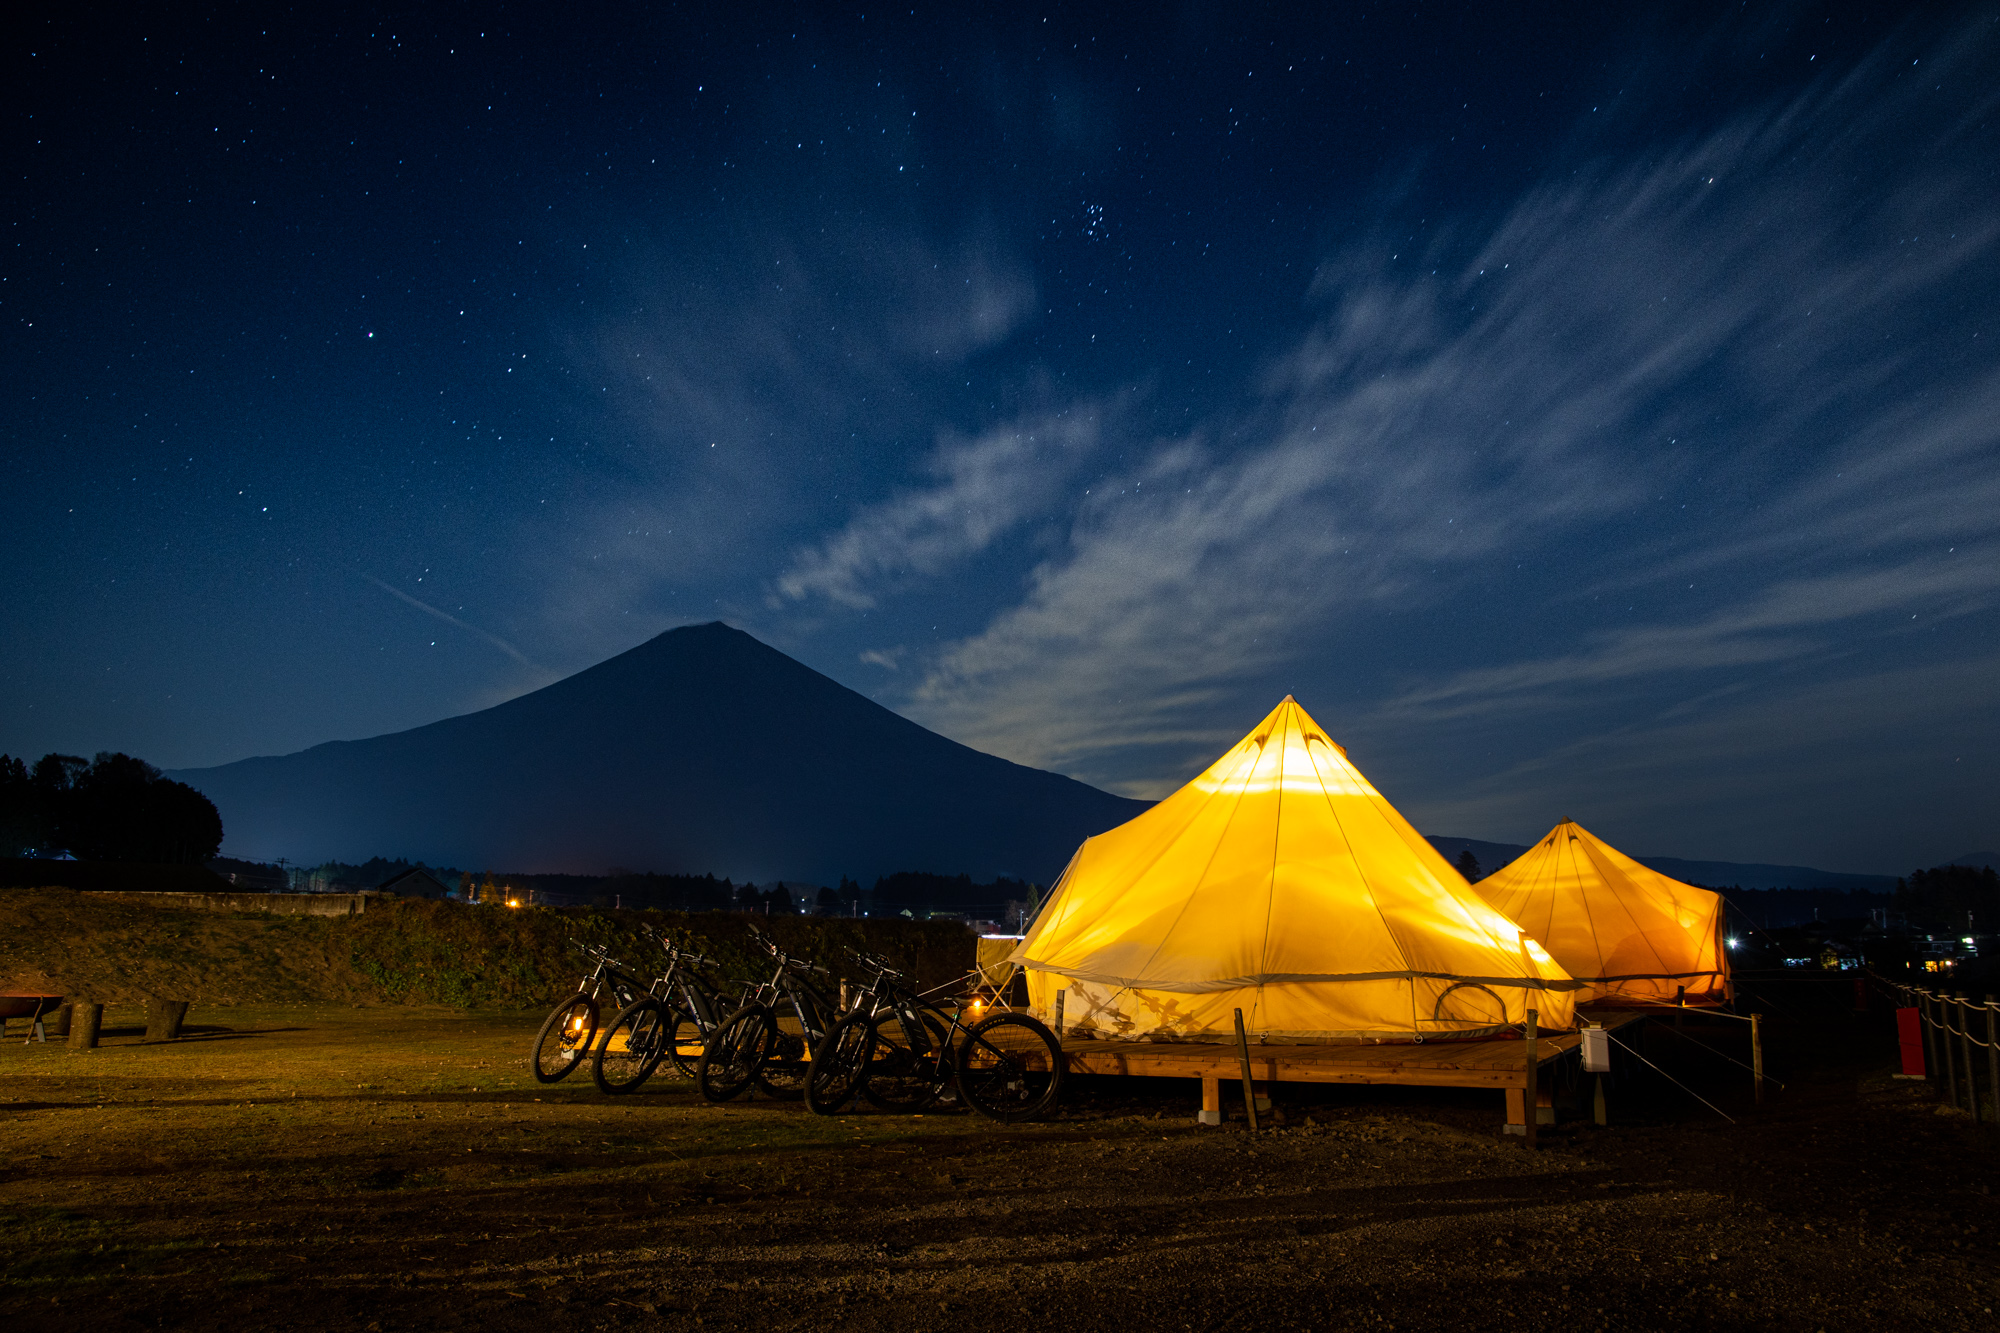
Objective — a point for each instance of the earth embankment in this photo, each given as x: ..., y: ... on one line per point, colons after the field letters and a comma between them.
x: 57, y: 941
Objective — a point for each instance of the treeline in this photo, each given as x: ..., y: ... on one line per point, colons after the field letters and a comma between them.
x: 1008, y: 903
x: 914, y: 892
x: 1955, y: 897
x: 111, y: 808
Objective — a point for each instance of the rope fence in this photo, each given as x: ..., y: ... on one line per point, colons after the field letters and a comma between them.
x: 1946, y: 1021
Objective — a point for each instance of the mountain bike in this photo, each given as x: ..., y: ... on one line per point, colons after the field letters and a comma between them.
x: 899, y: 1051
x: 571, y: 1027
x: 770, y: 1040
x: 672, y: 1020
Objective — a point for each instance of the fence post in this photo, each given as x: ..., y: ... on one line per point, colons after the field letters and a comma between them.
x: 1992, y: 1061
x: 1924, y: 1022
x: 1757, y: 1054
x: 1965, y: 1039
x: 1944, y: 1047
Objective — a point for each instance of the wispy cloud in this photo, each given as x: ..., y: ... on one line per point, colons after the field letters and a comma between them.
x: 1804, y: 770
x: 1732, y: 322
x: 752, y: 380
x: 1783, y: 621
x: 980, y: 489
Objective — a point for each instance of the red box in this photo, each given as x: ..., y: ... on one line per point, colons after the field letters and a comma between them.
x: 1910, y: 1035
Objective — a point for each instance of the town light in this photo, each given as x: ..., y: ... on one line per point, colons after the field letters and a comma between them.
x: 1731, y: 941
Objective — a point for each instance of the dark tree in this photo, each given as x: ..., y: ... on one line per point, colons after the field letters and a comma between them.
x: 115, y: 808
x: 20, y: 818
x: 1468, y: 866
x: 828, y: 903
x: 1956, y: 897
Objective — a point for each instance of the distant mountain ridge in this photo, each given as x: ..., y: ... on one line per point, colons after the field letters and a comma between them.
x: 702, y: 750
x: 1746, y: 875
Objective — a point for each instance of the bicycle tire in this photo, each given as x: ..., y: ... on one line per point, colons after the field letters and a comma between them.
x: 565, y: 1038
x: 685, y: 1042
x: 839, y: 1065
x: 899, y: 1079
x: 734, y: 1053
x: 632, y: 1048
x: 1010, y: 1067
x: 788, y: 1062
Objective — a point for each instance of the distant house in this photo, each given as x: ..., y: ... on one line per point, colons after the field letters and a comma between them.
x: 413, y: 884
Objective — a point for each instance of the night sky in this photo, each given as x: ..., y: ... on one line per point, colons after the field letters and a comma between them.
x: 1583, y: 415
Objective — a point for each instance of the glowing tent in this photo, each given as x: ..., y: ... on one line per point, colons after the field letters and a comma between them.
x: 1280, y: 882
x: 1626, y: 932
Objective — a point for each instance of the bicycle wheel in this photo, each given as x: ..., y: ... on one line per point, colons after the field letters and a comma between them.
x: 565, y: 1038
x: 686, y: 1039
x: 900, y: 1078
x: 1010, y: 1067
x: 838, y: 1065
x: 783, y: 1073
x: 734, y: 1054
x: 632, y: 1047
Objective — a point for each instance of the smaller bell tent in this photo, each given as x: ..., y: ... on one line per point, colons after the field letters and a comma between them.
x: 1281, y: 883
x: 1630, y: 934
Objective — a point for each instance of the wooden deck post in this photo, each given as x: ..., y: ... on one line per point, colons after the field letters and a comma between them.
x: 1263, y: 1092
x: 1517, y: 1116
x: 1965, y: 1039
x: 1211, y: 1098
x: 85, y: 1019
x: 1757, y: 1054
x: 1531, y: 1099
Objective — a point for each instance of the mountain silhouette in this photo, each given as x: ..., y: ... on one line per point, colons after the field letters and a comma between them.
x: 702, y: 750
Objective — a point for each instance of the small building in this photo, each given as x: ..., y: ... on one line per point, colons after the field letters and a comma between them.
x: 417, y: 883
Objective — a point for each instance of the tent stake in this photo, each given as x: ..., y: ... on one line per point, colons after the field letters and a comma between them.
x: 1757, y: 1054
x: 1243, y: 1058
x: 1531, y: 1098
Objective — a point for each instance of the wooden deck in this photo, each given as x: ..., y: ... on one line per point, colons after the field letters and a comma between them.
x: 1499, y: 1064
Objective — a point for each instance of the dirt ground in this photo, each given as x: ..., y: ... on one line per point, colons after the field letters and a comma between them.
x: 386, y: 1169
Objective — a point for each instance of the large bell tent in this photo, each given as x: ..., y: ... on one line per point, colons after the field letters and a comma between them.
x: 1628, y: 933
x: 1280, y: 882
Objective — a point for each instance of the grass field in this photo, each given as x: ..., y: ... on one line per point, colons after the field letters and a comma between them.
x: 396, y: 1168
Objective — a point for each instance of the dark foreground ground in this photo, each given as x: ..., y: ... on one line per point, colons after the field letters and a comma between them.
x: 397, y: 1169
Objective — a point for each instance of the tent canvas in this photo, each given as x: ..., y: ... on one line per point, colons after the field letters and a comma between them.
x: 1280, y: 882
x: 1628, y: 933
